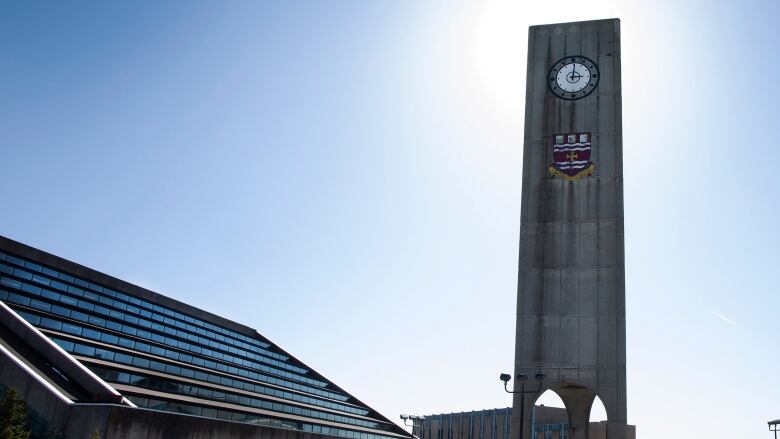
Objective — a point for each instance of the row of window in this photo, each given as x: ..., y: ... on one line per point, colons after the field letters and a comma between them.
x: 481, y: 424
x: 78, y: 330
x: 548, y: 429
x: 103, y: 354
x: 108, y: 292
x: 79, y: 293
x: 137, y: 329
x: 109, y: 355
x: 164, y: 385
x: 173, y: 406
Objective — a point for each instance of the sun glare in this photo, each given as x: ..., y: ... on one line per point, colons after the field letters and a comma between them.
x: 499, y: 52
x: 500, y: 42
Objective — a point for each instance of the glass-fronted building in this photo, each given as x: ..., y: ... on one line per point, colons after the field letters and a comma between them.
x: 165, y: 355
x: 549, y: 423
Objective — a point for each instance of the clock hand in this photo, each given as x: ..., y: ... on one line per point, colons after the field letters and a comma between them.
x: 574, y: 76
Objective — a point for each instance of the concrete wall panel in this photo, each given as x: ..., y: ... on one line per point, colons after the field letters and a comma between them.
x: 588, y: 291
x: 553, y: 244
x: 530, y: 297
x: 605, y: 156
x: 588, y: 244
x: 531, y: 252
x: 551, y: 339
x: 607, y: 285
x: 552, y: 292
x: 569, y: 341
x: 570, y: 291
x: 569, y: 241
x: 588, y: 342
x: 608, y: 243
x: 607, y: 340
x: 539, y: 88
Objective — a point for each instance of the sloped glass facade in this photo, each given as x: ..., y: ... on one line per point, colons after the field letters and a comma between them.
x: 164, y: 358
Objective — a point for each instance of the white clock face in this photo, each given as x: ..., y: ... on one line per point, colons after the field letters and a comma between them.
x: 573, y: 77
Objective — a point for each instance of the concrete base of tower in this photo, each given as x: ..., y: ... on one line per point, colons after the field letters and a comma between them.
x: 610, y: 430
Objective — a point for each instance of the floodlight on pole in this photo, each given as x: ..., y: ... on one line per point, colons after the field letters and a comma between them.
x: 774, y: 426
x: 416, y: 422
x: 505, y: 377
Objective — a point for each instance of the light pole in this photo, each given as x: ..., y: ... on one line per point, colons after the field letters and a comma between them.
x: 505, y: 377
x: 774, y: 425
x: 416, y: 422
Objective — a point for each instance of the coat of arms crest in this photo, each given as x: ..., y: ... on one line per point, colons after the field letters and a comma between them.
x: 571, y: 153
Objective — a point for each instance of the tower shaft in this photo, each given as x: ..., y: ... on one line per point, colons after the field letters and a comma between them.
x: 571, y: 288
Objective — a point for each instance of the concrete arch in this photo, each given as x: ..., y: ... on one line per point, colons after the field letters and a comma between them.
x: 548, y: 414
x: 598, y: 410
x: 542, y: 392
x: 578, y: 400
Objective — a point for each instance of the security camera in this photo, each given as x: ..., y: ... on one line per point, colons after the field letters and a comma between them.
x: 404, y: 417
x: 505, y: 377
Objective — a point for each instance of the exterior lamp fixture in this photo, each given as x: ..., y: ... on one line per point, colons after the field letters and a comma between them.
x: 505, y: 377
x: 416, y: 421
x: 774, y: 426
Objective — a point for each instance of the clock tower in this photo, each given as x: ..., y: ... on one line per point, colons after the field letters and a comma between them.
x: 570, y: 334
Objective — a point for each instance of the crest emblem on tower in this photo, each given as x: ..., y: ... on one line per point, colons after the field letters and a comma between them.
x: 571, y: 153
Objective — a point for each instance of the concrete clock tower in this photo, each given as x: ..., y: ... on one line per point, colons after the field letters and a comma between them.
x: 571, y: 290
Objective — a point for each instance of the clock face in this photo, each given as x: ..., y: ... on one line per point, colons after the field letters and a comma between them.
x: 573, y: 77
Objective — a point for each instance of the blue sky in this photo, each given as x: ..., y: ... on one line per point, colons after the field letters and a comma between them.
x: 345, y: 177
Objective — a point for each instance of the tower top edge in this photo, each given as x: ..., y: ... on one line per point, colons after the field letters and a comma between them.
x: 569, y: 23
